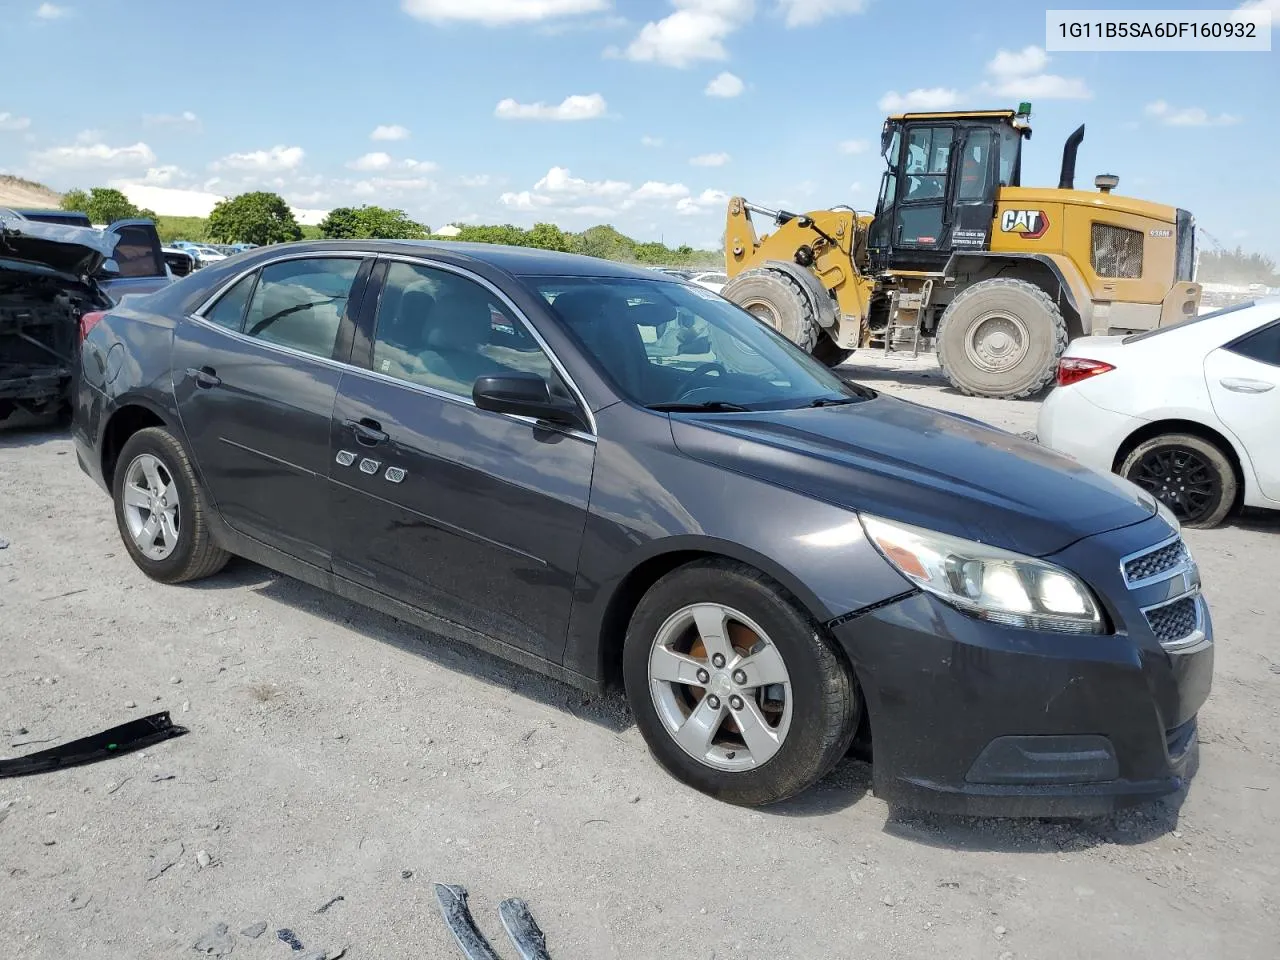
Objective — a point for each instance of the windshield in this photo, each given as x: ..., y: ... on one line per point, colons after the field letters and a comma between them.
x: 665, y: 343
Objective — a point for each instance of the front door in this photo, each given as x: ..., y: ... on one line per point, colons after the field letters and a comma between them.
x: 1244, y: 386
x: 255, y: 379
x: 473, y: 516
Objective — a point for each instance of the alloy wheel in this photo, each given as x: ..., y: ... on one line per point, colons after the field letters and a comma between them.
x: 1182, y: 479
x: 720, y: 687
x: 151, y: 509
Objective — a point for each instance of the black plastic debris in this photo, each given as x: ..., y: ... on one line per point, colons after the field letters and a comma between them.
x: 289, y: 938
x: 529, y: 940
x: 126, y: 738
x: 330, y: 903
x: 457, y: 917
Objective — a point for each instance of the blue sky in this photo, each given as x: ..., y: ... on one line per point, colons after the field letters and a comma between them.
x: 642, y: 113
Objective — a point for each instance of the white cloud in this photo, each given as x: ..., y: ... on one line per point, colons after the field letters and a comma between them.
x: 1021, y: 63
x: 696, y: 31
x: 1188, y: 116
x: 710, y: 160
x: 371, y: 161
x: 576, y: 107
x: 375, y: 186
x: 1260, y: 6
x: 1020, y: 75
x: 932, y: 98
x: 9, y: 123
x: 389, y: 131
x: 184, y: 119
x: 1043, y: 86
x: 803, y: 13
x: 725, y: 85
x: 264, y: 161
x: 476, y: 180
x: 494, y: 13
x: 647, y: 141
x: 96, y: 155
x: 656, y: 190
x: 162, y: 176
x: 705, y: 201
x: 48, y: 11
x: 853, y: 146
x: 560, y: 182
x: 526, y: 200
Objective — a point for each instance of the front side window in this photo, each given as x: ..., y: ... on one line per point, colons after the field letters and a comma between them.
x: 666, y: 343
x: 438, y: 329
x: 300, y: 303
x: 136, y: 252
x: 928, y: 152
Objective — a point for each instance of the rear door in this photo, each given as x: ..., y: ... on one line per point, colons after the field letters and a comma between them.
x: 473, y: 516
x: 140, y: 259
x: 1244, y: 385
x: 255, y: 377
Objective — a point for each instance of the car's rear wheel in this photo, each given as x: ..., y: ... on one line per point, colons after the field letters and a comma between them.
x: 1190, y: 474
x: 733, y: 685
x: 160, y: 510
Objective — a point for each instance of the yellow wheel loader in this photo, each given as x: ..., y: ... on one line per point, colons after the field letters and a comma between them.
x: 997, y: 275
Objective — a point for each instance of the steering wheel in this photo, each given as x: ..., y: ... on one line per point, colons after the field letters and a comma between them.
x: 701, y: 370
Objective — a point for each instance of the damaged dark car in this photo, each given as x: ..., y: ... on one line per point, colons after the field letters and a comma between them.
x: 54, y: 277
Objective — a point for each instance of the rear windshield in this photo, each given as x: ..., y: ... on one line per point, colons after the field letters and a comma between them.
x: 1134, y: 337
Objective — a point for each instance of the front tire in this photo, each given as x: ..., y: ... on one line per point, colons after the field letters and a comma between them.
x: 733, y: 685
x: 161, y: 512
x: 779, y: 301
x: 828, y: 353
x: 1191, y: 475
x: 1001, y: 338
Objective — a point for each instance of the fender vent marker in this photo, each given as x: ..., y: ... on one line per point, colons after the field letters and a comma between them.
x: 125, y: 738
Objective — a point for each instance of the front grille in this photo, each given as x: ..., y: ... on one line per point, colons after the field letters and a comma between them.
x: 1174, y: 621
x: 1185, y: 267
x: 1158, y: 561
x: 1116, y: 252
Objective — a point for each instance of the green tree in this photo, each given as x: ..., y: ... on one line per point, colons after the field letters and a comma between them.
x: 260, y: 217
x: 367, y: 222
x: 547, y: 236
x: 103, y: 205
x: 1236, y: 266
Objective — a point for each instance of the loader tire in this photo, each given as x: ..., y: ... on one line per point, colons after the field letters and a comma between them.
x: 827, y: 352
x: 779, y: 301
x: 1001, y: 338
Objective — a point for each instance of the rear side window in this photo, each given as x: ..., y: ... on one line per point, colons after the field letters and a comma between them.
x: 300, y: 303
x: 136, y: 252
x: 229, y: 310
x: 1261, y: 345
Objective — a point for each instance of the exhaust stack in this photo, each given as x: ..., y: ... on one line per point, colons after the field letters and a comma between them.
x: 1067, y: 178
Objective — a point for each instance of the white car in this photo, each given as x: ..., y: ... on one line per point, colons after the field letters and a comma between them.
x: 1190, y: 413
x: 712, y: 280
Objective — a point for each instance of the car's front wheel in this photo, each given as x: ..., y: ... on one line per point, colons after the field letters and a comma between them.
x: 1191, y: 475
x: 733, y: 685
x: 160, y: 510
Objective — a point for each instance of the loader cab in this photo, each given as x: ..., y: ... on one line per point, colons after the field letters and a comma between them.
x: 938, y: 192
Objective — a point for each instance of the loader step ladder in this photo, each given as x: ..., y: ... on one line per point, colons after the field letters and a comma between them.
x: 905, y: 313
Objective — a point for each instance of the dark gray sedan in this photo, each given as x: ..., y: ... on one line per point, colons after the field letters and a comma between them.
x: 602, y: 473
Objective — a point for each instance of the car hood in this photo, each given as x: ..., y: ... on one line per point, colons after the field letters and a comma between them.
x: 905, y: 462
x: 74, y: 251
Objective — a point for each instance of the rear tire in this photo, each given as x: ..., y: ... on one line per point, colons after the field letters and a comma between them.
x: 1001, y: 338
x: 184, y: 549
x: 779, y: 301
x: 816, y: 710
x: 1193, y: 477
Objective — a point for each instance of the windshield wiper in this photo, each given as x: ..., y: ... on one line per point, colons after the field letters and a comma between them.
x: 833, y: 401
x: 711, y: 406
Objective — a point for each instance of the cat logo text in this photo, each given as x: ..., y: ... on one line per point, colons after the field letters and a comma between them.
x: 1028, y: 224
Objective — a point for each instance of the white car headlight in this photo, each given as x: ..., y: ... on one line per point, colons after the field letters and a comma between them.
x: 987, y: 582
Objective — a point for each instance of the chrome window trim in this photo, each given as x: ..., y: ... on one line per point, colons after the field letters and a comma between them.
x: 283, y: 258
x: 1183, y: 568
x: 515, y: 312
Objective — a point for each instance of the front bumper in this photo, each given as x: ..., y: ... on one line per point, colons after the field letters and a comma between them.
x: 971, y: 717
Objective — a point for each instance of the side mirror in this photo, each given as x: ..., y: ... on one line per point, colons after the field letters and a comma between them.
x: 109, y: 267
x: 524, y: 395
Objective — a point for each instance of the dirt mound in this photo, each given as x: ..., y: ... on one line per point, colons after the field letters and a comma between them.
x: 17, y: 192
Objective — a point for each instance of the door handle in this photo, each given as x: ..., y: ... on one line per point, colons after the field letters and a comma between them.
x: 368, y: 431
x: 1245, y: 385
x: 205, y: 377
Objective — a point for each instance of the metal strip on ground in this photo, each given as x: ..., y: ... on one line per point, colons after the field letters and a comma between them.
x: 125, y: 738
x: 530, y: 941
x: 457, y: 917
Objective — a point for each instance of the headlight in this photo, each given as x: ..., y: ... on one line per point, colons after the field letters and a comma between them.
x: 987, y: 582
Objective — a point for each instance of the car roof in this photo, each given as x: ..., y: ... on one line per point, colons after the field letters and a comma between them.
x: 518, y: 261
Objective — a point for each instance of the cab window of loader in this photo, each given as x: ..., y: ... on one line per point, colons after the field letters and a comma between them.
x: 1010, y: 142
x: 925, y: 163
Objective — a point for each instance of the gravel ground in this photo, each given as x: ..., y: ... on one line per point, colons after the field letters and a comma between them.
x: 334, y: 752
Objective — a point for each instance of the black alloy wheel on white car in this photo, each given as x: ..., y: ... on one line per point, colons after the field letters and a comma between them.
x: 734, y: 687
x: 1189, y: 474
